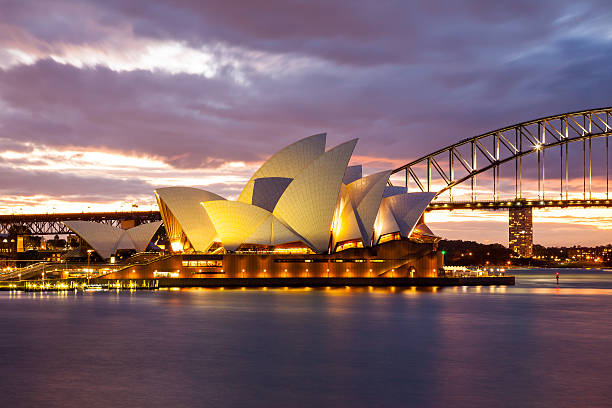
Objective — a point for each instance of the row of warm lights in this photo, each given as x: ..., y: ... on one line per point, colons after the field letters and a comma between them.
x: 265, y: 271
x: 177, y: 246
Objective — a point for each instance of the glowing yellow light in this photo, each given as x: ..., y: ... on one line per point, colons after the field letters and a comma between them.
x: 176, y: 246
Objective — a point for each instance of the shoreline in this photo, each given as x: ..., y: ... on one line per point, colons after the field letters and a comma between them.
x: 152, y: 284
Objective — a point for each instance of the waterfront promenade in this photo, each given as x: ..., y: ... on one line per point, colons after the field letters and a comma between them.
x: 82, y: 283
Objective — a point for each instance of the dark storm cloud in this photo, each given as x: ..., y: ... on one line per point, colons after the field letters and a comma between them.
x: 405, y: 78
x: 156, y: 114
x: 18, y: 182
x: 359, y: 32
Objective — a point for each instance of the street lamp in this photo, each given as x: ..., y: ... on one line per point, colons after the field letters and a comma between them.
x: 89, y: 251
x: 443, y: 253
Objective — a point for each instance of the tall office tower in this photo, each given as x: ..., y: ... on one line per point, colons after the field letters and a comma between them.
x: 520, y: 236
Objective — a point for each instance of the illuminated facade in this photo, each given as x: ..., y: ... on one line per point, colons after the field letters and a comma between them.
x: 304, y: 213
x: 302, y: 199
x: 520, y: 236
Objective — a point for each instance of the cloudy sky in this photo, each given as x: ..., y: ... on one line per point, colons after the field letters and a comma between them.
x: 103, y: 101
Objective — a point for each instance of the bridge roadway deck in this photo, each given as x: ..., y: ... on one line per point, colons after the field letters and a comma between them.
x: 436, y: 205
x: 500, y: 204
x: 91, y: 216
x: 51, y: 224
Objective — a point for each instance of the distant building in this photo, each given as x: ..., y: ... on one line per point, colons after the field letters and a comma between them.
x: 520, y: 237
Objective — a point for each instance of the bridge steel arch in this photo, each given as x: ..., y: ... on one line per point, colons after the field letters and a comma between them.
x: 52, y: 224
x: 513, y: 143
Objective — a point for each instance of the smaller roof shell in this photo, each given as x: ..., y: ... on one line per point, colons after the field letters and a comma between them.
x: 184, y: 217
x: 239, y: 223
x: 106, y: 239
x: 406, y: 210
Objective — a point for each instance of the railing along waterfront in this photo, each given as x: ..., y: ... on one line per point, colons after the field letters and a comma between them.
x: 82, y: 285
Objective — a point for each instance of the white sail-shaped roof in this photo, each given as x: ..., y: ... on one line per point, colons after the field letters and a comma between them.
x: 106, y: 239
x: 236, y: 221
x: 358, y: 207
x: 308, y: 204
x: 422, y: 228
x: 142, y: 234
x: 366, y: 195
x: 124, y: 242
x: 184, y: 217
x: 385, y: 222
x: 240, y: 223
x: 288, y: 162
x: 103, y: 238
x: 302, y: 193
x: 408, y: 209
x: 272, y: 232
x: 262, y: 234
x: 346, y: 225
x: 282, y: 234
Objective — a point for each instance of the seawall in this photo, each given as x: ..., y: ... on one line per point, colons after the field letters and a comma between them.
x: 71, y: 284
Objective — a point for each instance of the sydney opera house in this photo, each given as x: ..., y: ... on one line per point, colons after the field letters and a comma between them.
x: 304, y: 213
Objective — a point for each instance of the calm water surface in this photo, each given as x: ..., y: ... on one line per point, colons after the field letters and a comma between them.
x: 533, y: 345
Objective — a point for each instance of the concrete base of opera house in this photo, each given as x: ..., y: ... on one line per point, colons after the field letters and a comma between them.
x: 229, y: 283
x: 394, y: 259
x: 335, y: 282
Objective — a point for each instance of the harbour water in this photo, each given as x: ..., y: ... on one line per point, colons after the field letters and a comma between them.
x: 531, y: 345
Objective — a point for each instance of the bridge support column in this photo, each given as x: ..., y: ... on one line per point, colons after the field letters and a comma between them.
x: 520, y: 231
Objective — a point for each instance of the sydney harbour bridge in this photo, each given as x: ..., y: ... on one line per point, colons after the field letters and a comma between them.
x: 556, y: 161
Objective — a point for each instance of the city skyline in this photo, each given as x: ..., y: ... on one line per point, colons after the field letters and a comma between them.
x: 103, y: 103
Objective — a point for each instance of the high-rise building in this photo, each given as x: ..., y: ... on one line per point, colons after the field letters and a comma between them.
x: 520, y: 237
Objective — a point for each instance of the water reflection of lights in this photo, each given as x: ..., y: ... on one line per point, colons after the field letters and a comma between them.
x: 570, y: 291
